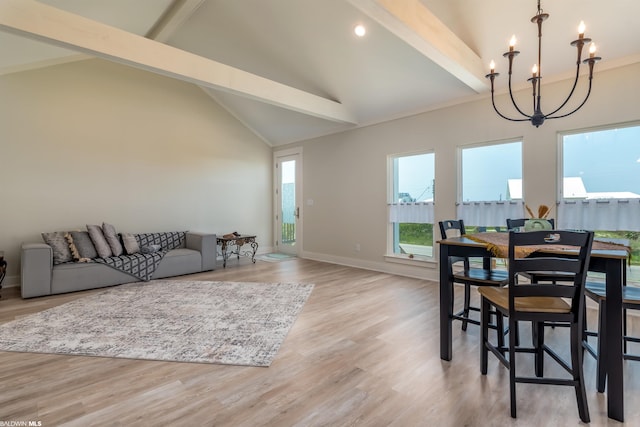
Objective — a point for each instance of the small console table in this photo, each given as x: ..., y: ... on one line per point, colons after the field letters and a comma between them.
x: 230, y: 241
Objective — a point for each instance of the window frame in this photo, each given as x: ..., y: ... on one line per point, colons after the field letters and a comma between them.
x: 392, y: 187
x: 633, y: 268
x: 484, y: 214
x: 560, y: 149
x: 460, y: 176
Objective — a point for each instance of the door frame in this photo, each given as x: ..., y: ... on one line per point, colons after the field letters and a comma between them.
x: 277, y: 157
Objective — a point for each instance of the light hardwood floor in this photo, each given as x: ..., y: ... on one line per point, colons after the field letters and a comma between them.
x: 364, y: 351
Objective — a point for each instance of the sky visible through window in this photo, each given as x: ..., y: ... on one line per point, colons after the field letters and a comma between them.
x: 606, y: 160
x: 416, y: 175
x: 487, y: 169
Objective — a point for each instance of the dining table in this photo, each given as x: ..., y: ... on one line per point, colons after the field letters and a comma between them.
x: 606, y: 257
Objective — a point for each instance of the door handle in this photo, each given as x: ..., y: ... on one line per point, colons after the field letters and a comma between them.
x: 298, y: 212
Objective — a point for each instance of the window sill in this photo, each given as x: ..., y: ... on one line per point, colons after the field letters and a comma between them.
x: 417, y: 260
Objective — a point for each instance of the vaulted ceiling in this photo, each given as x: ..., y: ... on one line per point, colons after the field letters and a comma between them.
x: 291, y: 70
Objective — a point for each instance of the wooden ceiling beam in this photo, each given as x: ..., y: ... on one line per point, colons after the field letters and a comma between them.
x: 35, y: 20
x: 412, y: 22
x: 176, y: 15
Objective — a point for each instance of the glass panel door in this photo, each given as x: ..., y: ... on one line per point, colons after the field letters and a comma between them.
x: 288, y: 214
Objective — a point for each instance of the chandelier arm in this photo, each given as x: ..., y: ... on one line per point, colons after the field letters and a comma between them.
x: 579, y: 44
x: 575, y: 84
x: 502, y: 115
x: 513, y: 101
x: 577, y: 108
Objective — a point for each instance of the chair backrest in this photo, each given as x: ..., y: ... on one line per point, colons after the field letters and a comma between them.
x: 519, y: 222
x: 454, y: 224
x: 451, y: 224
x: 564, y: 251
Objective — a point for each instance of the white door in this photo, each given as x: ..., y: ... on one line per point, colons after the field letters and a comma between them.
x: 288, y: 232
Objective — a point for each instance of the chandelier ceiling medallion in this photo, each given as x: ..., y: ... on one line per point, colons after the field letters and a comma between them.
x: 538, y: 117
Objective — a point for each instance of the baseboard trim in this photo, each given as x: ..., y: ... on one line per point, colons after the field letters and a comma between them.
x: 11, y: 281
x: 426, y: 272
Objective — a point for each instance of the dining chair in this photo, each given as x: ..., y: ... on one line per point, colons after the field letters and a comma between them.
x: 538, y: 277
x: 470, y: 276
x: 539, y: 303
x: 597, y: 291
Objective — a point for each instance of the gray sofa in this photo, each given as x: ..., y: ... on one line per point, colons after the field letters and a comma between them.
x: 41, y: 277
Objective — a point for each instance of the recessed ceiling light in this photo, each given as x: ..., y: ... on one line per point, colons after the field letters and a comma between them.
x: 360, y: 30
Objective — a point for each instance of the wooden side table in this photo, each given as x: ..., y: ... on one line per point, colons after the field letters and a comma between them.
x: 228, y: 242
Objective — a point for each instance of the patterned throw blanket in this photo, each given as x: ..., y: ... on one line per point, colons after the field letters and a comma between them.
x: 140, y: 266
x: 143, y: 265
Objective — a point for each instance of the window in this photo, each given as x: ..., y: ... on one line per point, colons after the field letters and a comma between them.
x: 488, y: 195
x: 601, y: 183
x: 412, y: 189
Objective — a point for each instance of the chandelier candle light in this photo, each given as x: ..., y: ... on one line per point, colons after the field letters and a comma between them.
x: 538, y: 117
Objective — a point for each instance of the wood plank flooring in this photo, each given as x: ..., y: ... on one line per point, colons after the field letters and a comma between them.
x: 364, y: 351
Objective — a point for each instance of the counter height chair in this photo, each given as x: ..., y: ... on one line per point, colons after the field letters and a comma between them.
x: 538, y: 277
x: 539, y: 303
x: 470, y: 276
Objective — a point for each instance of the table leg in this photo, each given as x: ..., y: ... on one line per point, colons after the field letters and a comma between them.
x: 224, y: 254
x: 614, y: 352
x: 3, y: 271
x: 254, y: 246
x: 446, y: 306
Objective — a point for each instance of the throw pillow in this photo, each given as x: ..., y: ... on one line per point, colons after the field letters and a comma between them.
x: 100, y: 243
x: 130, y: 243
x: 110, y: 234
x: 59, y: 245
x: 84, y: 244
x: 74, y: 250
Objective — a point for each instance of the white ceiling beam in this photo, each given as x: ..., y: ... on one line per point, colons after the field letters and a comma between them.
x: 41, y: 22
x: 412, y: 22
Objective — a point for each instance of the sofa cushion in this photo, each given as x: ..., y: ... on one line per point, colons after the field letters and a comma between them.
x: 130, y: 243
x: 179, y: 261
x: 100, y: 243
x: 59, y: 245
x: 112, y: 238
x: 83, y: 244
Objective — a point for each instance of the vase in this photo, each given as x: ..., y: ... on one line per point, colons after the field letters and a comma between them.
x: 535, y: 224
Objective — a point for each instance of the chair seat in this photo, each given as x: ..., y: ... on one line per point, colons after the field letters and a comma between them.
x: 598, y: 291
x: 500, y: 298
x: 481, y: 276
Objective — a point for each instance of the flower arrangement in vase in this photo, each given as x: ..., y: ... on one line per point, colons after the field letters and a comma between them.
x: 540, y: 221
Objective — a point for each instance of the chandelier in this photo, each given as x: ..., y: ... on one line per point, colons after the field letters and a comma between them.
x: 538, y: 117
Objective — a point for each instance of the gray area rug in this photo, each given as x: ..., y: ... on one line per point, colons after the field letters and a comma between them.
x: 185, y: 321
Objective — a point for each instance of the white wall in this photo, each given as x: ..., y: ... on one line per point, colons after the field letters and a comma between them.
x: 345, y: 174
x: 95, y: 141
